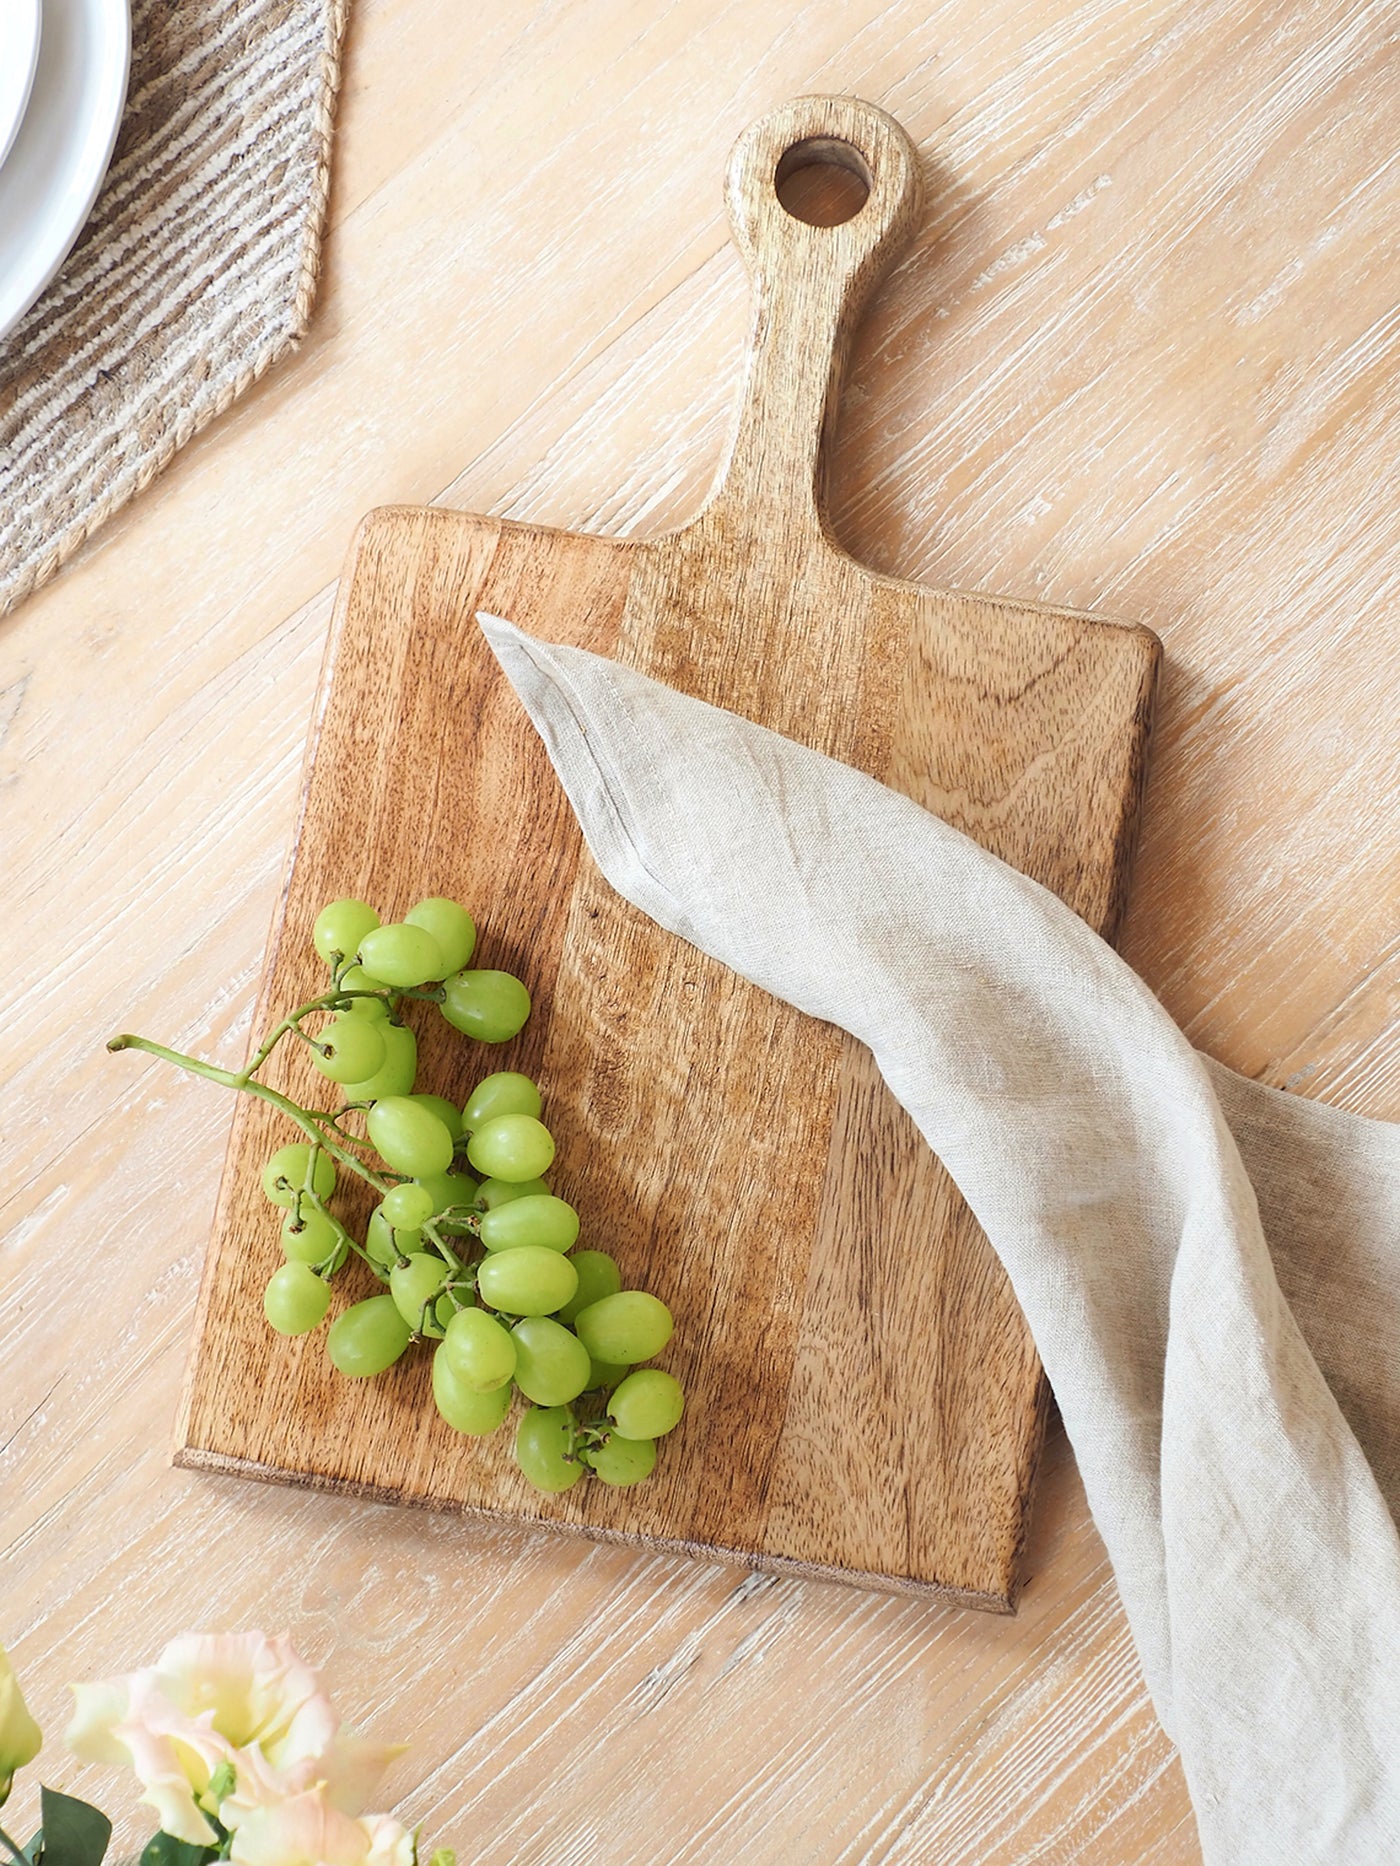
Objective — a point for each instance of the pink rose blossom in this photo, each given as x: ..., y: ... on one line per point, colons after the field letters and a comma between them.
x: 240, y: 1699
x: 308, y: 1831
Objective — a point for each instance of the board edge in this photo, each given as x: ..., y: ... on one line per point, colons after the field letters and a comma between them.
x: 188, y: 1457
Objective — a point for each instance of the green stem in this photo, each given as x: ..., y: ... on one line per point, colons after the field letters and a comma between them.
x: 333, y: 1000
x: 360, y: 1251
x: 17, y: 1853
x: 336, y: 1125
x: 434, y: 1236
x: 227, y: 1079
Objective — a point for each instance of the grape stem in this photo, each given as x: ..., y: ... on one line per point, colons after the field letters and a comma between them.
x: 308, y: 1195
x: 444, y: 1249
x: 336, y: 1122
x: 227, y: 1078
x: 361, y: 1252
x: 331, y: 1001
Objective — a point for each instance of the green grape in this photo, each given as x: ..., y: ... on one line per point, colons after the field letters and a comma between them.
x: 542, y: 1449
x: 603, y: 1374
x: 400, y: 1067
x: 647, y: 1404
x: 454, y: 1299
x: 451, y: 926
x: 406, y: 1206
x: 295, y: 1299
x: 339, y: 928
x: 350, y: 1049
x: 358, y: 979
x: 528, y: 1281
x: 481, y: 1353
x: 463, y: 1409
x: 622, y: 1461
x: 551, y: 1364
x: 447, y: 1190
x: 630, y: 1326
x: 329, y: 1257
x: 385, y: 1245
x: 493, y: 1192
x: 506, y: 1092
x: 403, y: 956
x: 416, y: 1283
x: 367, y: 1337
x: 539, y: 1218
x: 452, y: 1188
x: 513, y: 1147
x: 598, y: 1276
x: 309, y: 1235
x: 491, y: 1006
x: 409, y: 1137
x: 448, y: 1304
x: 284, y: 1176
x: 446, y: 1111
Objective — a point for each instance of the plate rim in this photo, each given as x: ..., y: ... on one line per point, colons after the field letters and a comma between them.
x: 33, y: 14
x: 105, y: 30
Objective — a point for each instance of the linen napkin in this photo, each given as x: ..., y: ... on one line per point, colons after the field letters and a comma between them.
x: 1233, y: 1403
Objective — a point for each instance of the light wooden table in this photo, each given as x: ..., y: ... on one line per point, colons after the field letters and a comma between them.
x: 1145, y: 359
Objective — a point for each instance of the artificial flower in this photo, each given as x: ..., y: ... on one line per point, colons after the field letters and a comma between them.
x: 308, y: 1830
x: 240, y: 1700
x: 20, y: 1736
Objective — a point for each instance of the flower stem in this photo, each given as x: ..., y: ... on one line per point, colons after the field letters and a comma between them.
x: 16, y: 1852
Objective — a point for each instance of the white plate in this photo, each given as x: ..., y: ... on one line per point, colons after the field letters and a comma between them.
x: 19, y: 42
x: 60, y: 153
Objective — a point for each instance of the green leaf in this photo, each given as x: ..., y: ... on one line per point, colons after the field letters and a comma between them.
x: 166, y: 1850
x: 73, y: 1833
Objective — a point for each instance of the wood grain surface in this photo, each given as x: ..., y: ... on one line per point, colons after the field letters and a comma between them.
x: 1143, y: 359
x: 864, y: 1400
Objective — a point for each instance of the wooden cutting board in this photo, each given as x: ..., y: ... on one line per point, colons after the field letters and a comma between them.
x: 865, y: 1401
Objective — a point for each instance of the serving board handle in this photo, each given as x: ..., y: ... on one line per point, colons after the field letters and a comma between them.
x: 810, y: 284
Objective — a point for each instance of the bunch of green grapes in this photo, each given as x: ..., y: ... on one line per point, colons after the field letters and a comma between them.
x: 475, y: 1250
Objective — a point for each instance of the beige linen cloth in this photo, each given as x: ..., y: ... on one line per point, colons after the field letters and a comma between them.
x: 1211, y: 1269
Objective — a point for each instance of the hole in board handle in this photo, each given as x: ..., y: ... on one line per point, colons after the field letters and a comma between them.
x: 822, y: 181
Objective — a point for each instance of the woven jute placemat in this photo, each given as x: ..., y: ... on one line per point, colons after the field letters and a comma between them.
x: 195, y: 272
